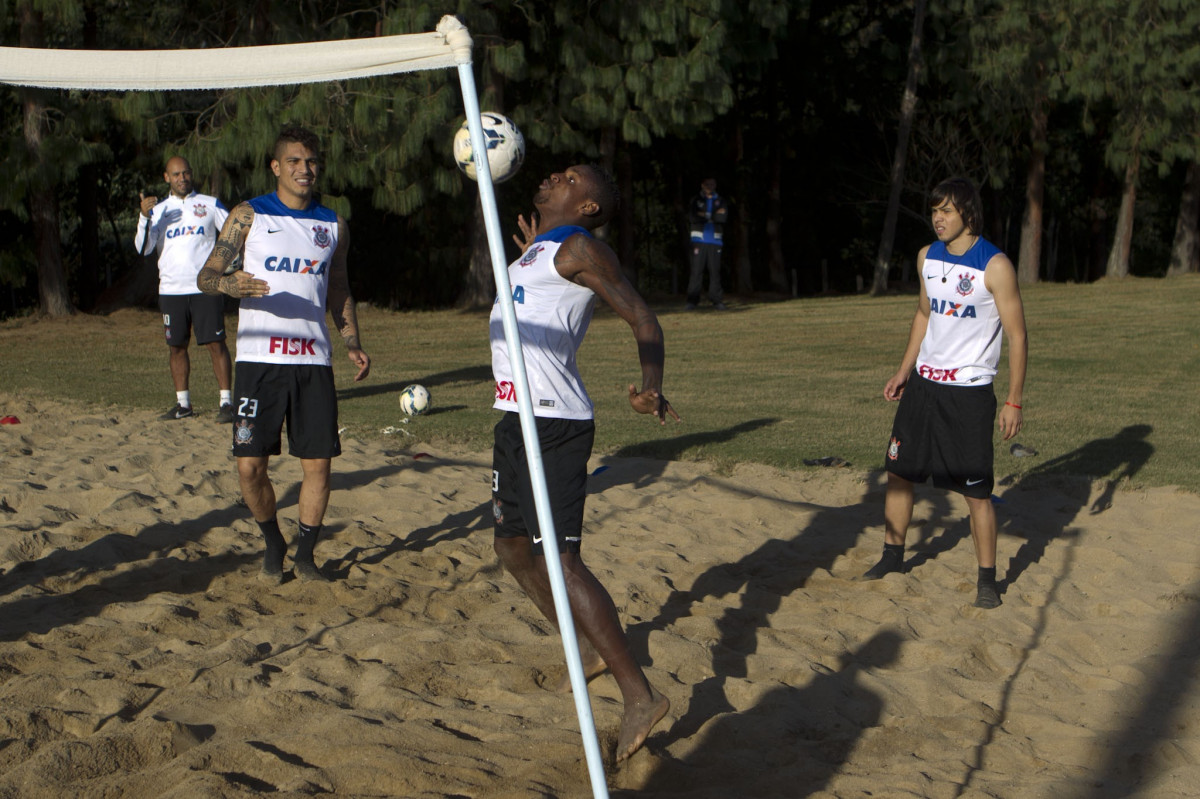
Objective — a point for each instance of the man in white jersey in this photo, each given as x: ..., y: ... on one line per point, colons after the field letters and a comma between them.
x: 183, y: 228
x: 284, y: 367
x: 943, y: 427
x: 555, y: 283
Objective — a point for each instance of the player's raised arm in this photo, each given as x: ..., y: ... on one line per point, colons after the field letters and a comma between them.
x: 212, y: 278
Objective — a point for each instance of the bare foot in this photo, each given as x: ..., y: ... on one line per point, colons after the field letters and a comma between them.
x: 592, y: 669
x: 639, y: 719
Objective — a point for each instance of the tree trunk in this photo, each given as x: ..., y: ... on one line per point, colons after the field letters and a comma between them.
x: 478, y: 289
x: 54, y: 296
x: 1118, y: 256
x: 626, y: 237
x: 775, y: 261
x: 907, y: 107
x: 90, y: 276
x: 738, y: 222
x: 1185, y: 254
x: 1029, y: 258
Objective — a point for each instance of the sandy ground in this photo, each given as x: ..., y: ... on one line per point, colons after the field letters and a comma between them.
x: 140, y: 656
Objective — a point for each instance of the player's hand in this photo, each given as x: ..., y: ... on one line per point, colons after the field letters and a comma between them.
x: 362, y: 361
x: 1010, y: 421
x: 894, y: 389
x: 529, y: 231
x: 651, y: 401
x: 243, y: 284
x: 147, y: 204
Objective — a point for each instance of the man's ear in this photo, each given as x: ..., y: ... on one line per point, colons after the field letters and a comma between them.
x: 590, y: 208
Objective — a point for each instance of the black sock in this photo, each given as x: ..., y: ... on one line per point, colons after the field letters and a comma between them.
x: 891, y: 561
x: 306, y: 541
x: 987, y: 575
x: 276, y: 546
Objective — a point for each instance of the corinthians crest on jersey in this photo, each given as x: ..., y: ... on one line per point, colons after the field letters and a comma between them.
x: 530, y: 255
x: 321, y: 236
x: 243, y: 432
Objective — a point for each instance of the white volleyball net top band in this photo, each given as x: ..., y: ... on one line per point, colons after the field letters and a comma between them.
x: 231, y: 67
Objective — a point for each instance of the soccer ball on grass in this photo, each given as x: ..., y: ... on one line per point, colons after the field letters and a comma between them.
x: 414, y: 400
x: 505, y: 147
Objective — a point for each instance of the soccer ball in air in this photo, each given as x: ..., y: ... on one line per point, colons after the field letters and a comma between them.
x: 505, y: 147
x: 414, y: 400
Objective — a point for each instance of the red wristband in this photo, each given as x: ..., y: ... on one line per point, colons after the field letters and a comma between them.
x: 1012, y: 405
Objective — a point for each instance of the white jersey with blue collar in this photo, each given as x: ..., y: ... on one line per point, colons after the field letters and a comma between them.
x: 553, y: 314
x: 292, y: 250
x: 183, y: 230
x: 962, y: 342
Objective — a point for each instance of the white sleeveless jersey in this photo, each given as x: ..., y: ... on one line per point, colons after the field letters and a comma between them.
x: 962, y: 344
x: 292, y: 251
x: 552, y: 316
x: 183, y: 230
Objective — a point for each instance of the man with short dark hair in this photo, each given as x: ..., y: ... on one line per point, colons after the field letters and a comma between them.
x: 943, y: 427
x: 555, y: 282
x: 284, y: 369
x: 183, y: 228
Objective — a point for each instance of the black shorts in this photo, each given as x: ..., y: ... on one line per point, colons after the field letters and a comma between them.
x: 184, y: 312
x: 566, y: 446
x: 944, y: 432
x: 268, y: 395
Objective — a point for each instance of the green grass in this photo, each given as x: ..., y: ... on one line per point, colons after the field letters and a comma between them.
x: 772, y: 383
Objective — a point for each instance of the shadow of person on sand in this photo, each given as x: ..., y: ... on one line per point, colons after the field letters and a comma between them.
x: 1119, y: 458
x: 928, y: 544
x: 762, y: 580
x: 654, y: 454
x: 789, y: 744
x: 455, y: 526
x: 174, y: 560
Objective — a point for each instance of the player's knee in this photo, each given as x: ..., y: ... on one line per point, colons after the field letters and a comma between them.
x: 252, y: 470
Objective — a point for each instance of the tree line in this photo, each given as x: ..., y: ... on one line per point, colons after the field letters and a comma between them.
x: 825, y: 123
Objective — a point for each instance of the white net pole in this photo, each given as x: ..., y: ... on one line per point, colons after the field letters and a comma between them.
x: 533, y: 450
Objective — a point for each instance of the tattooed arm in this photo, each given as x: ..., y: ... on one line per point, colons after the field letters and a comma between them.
x: 341, y: 303
x: 592, y: 264
x: 212, y: 278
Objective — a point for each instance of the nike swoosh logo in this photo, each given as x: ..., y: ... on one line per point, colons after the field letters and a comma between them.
x: 930, y: 277
x: 274, y: 231
x: 220, y: 332
x: 974, y: 482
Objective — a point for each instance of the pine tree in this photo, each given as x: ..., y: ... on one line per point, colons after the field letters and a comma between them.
x: 606, y: 77
x: 907, y: 108
x: 1135, y: 61
x: 1014, y: 53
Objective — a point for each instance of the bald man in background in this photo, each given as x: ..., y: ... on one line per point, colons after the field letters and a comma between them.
x: 183, y: 228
